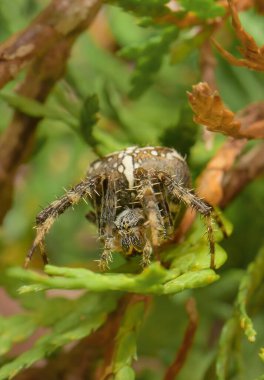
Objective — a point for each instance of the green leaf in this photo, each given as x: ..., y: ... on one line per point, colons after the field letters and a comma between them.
x: 125, y: 373
x: 148, y: 58
x: 187, y: 43
x: 150, y: 8
x: 229, y: 353
x: 183, y: 135
x: 89, y: 313
x: 88, y: 118
x: 15, y: 329
x: 248, y: 286
x: 203, y: 8
x: 226, y: 348
x: 36, y: 109
x: 125, y: 346
x: 96, y: 65
x: 189, y: 270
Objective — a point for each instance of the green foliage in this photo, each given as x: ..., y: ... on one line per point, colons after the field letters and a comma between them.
x: 203, y: 8
x: 89, y: 118
x: 126, y: 344
x: 35, y: 109
x: 148, y: 58
x: 187, y: 43
x: 71, y: 321
x: 15, y: 329
x: 190, y: 263
x: 74, y: 320
x: 154, y: 280
x: 142, y: 8
x: 251, y: 285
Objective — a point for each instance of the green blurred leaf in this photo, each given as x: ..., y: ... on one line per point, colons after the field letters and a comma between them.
x: 88, y: 118
x: 125, y: 373
x: 15, y: 329
x: 183, y: 135
x: 248, y: 286
x: 229, y: 354
x: 189, y: 270
x: 125, y: 342
x: 203, y: 8
x: 142, y: 8
x: 148, y: 58
x: 33, y: 108
x: 124, y: 26
x: 89, y: 312
x: 187, y: 43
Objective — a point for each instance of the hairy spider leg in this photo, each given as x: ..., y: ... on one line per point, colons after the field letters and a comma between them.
x: 106, y: 221
x: 91, y: 217
x: 47, y: 217
x: 217, y: 217
x: 149, y: 204
x: 146, y: 254
x: 190, y: 199
x: 167, y: 218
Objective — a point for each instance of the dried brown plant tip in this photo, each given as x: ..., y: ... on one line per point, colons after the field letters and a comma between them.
x: 252, y: 53
x: 211, y: 112
x: 138, y: 195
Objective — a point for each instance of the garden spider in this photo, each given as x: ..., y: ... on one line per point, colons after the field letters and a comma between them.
x: 138, y: 195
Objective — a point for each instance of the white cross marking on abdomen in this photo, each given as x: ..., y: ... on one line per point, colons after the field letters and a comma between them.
x: 128, y: 164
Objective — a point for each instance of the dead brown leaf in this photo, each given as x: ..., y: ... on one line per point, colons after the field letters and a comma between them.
x: 252, y: 53
x: 211, y: 112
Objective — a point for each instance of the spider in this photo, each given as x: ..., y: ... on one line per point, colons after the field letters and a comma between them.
x: 139, y: 196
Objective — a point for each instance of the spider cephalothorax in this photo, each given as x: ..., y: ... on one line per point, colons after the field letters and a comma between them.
x: 138, y: 195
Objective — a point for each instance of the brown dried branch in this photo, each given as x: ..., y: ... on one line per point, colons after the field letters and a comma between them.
x: 208, y: 64
x: 210, y: 111
x: 59, y: 25
x: 253, y: 55
x: 229, y: 172
x: 252, y: 121
x: 187, y: 342
x: 259, y: 5
x: 247, y: 168
x: 224, y: 178
x: 210, y: 182
x: 60, y: 19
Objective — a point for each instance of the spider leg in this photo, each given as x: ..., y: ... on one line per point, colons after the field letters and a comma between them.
x: 106, y: 222
x: 166, y: 213
x: 47, y: 217
x: 91, y: 217
x: 219, y: 222
x: 149, y: 202
x: 146, y: 254
x: 190, y: 199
